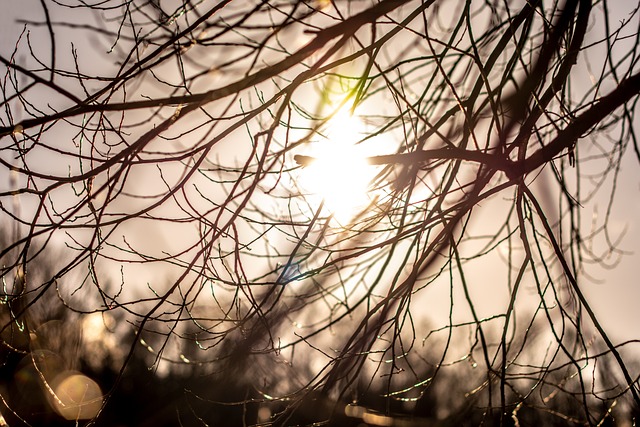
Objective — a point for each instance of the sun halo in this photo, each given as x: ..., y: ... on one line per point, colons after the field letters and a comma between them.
x: 340, y: 174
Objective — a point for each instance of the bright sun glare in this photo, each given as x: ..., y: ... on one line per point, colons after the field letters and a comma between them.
x: 341, y: 175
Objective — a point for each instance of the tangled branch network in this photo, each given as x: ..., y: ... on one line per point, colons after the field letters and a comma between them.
x: 343, y: 212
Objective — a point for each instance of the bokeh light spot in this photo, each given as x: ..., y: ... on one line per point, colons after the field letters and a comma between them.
x: 76, y: 396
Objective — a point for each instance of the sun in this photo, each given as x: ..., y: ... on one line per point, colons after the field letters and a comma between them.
x: 340, y: 174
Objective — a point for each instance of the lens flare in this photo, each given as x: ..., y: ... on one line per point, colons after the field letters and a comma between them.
x: 76, y: 396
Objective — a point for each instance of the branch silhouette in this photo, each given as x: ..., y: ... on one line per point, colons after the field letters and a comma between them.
x: 146, y: 181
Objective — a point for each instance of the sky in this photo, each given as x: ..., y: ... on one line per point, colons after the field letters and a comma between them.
x: 614, y: 292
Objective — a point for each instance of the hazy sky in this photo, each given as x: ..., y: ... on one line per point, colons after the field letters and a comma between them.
x: 614, y: 293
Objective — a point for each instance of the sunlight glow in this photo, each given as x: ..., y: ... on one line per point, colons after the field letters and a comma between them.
x: 341, y: 175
